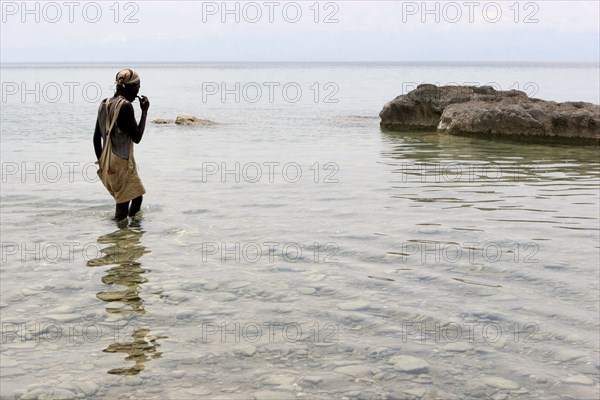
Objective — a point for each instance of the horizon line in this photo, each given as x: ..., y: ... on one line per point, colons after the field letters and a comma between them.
x: 311, y: 62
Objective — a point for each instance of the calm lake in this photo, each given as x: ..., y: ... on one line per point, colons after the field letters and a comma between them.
x: 294, y: 250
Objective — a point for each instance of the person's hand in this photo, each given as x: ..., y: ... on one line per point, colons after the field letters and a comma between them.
x: 144, y: 103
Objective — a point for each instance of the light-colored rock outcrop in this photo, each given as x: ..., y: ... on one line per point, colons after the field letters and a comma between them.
x: 191, y: 120
x: 184, y: 120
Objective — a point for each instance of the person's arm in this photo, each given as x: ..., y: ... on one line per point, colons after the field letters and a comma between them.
x: 97, y: 141
x: 127, y: 123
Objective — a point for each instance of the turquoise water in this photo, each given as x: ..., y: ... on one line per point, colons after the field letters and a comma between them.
x: 294, y: 249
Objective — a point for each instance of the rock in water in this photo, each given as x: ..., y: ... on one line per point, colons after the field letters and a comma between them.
x: 247, y: 350
x: 88, y: 388
x: 422, y: 108
x: 458, y: 347
x: 278, y: 380
x: 484, y: 111
x: 273, y: 395
x: 191, y: 120
x: 409, y: 364
x: 579, y: 380
x: 353, y: 305
x: 57, y: 394
x: 525, y: 117
x: 354, y: 370
x: 500, y: 383
x: 162, y: 121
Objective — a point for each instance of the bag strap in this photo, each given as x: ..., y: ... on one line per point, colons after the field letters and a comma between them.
x: 110, y: 124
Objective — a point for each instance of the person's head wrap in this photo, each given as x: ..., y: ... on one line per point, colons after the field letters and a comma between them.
x: 127, y: 77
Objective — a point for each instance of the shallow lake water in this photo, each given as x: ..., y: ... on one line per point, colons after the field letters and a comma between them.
x: 295, y: 249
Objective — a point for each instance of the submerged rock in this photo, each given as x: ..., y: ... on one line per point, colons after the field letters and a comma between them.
x: 354, y: 370
x: 500, y: 383
x: 278, y: 380
x: 88, y: 388
x: 57, y: 394
x: 414, y: 393
x: 569, y: 355
x: 409, y: 364
x: 579, y: 380
x: 247, y: 350
x: 484, y: 111
x: 313, y: 379
x: 272, y: 395
x: 354, y: 305
x: 458, y: 347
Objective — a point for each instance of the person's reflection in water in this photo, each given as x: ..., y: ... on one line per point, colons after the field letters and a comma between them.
x: 124, y: 253
x: 141, y: 350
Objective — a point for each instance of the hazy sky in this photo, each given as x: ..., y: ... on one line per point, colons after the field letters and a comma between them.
x: 64, y: 31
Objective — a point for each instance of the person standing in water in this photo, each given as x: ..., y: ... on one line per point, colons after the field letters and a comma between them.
x: 116, y: 121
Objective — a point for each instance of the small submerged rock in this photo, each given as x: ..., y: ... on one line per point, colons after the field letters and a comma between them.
x: 224, y: 296
x: 246, y: 350
x: 378, y: 352
x: 409, y: 364
x: 31, y: 395
x: 416, y: 393
x: 57, y: 394
x: 569, y: 355
x: 354, y: 370
x: 354, y: 305
x: 313, y: 380
x: 134, y: 380
x: 277, y: 380
x: 579, y: 380
x: 273, y: 395
x: 211, y: 286
x: 306, y: 290
x: 88, y: 388
x: 500, y: 383
x: 458, y: 347
x: 178, y: 374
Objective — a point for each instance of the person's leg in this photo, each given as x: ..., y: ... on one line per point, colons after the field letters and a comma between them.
x: 136, y: 205
x: 121, y: 211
